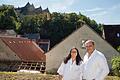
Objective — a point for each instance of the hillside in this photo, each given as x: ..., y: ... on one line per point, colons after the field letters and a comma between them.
x: 53, y: 26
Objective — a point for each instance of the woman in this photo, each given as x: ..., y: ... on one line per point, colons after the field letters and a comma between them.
x: 71, y: 68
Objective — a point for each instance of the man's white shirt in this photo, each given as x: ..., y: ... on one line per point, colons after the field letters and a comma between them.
x: 71, y: 71
x: 95, y: 66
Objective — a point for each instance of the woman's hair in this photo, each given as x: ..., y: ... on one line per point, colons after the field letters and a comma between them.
x: 78, y: 58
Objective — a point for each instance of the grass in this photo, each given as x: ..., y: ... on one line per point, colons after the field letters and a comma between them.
x: 8, y: 73
x: 26, y: 76
x: 112, y: 78
x: 36, y: 76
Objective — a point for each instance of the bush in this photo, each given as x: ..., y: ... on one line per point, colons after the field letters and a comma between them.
x: 118, y: 48
x: 116, y: 65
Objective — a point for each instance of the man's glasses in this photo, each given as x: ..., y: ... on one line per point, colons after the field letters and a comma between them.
x: 89, y: 46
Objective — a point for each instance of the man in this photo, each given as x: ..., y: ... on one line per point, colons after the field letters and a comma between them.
x: 95, y: 64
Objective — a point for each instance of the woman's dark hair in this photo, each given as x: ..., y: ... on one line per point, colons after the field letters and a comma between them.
x: 78, y: 58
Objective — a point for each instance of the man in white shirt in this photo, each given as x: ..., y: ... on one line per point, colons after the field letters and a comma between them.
x: 95, y: 64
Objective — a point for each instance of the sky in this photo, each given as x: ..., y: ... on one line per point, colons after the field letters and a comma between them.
x: 102, y: 11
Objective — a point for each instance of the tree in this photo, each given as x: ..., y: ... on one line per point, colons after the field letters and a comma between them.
x: 8, y: 18
x: 116, y: 65
x: 59, y: 26
x: 118, y: 49
x: 32, y: 24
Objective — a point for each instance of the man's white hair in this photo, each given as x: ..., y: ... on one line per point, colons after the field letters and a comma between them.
x: 92, y: 41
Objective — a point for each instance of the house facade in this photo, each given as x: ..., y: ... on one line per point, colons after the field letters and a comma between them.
x: 112, y: 34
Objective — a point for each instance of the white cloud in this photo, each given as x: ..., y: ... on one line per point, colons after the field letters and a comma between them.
x: 115, y: 7
x: 94, y: 9
x: 101, y: 11
x: 62, y: 6
x: 99, y: 14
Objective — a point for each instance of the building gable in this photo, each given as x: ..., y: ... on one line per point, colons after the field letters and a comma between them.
x: 6, y: 54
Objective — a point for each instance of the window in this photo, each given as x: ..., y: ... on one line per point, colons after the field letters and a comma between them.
x: 118, y: 35
x: 83, y: 44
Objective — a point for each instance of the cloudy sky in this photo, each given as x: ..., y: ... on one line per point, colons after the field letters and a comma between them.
x: 102, y: 11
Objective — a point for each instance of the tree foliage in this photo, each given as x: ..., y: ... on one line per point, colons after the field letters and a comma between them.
x: 118, y: 49
x: 8, y: 18
x: 59, y: 26
x: 116, y: 65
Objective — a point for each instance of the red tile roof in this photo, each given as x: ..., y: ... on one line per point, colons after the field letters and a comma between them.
x: 26, y: 49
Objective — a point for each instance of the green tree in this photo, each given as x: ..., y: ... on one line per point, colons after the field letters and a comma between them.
x: 32, y: 24
x: 59, y: 26
x: 116, y: 65
x: 9, y: 18
x: 118, y: 49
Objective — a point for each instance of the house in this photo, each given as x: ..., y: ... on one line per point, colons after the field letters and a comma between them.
x: 21, y: 54
x: 112, y: 34
x: 44, y: 44
x: 56, y: 55
x: 8, y: 33
x: 35, y: 36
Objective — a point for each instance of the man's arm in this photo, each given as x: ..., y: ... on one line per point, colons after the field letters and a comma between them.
x: 104, y: 70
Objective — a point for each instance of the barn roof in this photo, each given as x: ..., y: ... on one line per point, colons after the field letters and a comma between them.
x: 25, y: 49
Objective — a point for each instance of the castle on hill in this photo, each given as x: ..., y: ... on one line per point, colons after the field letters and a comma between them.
x: 29, y: 9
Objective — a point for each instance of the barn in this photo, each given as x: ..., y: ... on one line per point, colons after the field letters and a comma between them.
x: 21, y: 54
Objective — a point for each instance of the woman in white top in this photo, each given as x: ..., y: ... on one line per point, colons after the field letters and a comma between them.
x: 71, y: 68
